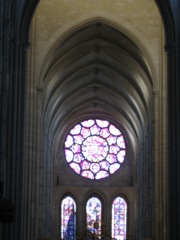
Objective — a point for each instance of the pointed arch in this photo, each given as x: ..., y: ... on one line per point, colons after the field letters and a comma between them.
x: 68, y: 217
x: 119, y: 218
x: 94, y: 216
x: 171, y: 78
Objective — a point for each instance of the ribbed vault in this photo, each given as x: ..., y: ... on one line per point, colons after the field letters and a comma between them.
x: 96, y: 71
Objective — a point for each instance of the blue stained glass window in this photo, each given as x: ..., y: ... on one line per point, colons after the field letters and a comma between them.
x: 68, y: 219
x: 119, y: 218
x: 93, y: 218
x: 95, y: 148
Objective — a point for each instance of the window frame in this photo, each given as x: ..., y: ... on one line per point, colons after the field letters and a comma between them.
x: 127, y: 212
x: 69, y: 194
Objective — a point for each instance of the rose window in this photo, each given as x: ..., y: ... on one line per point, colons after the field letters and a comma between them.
x: 95, y: 148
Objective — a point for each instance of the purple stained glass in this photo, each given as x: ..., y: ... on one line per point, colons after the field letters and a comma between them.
x: 75, y: 167
x: 102, y: 174
x: 78, y: 139
x: 95, y: 148
x: 102, y: 123
x: 78, y: 157
x: 94, y: 130
x: 111, y: 158
x: 104, y: 165
x: 76, y: 148
x: 105, y: 132
x: 69, y: 141
x: 85, y: 132
x: 76, y: 129
x: 69, y: 155
x: 68, y: 219
x: 114, y: 131
x: 85, y: 165
x: 114, y: 167
x: 87, y: 174
x: 119, y: 218
x: 95, y: 167
x: 88, y: 123
x: 93, y: 218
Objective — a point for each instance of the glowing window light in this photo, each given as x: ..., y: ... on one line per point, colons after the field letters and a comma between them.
x: 68, y: 219
x: 93, y: 218
x: 95, y: 148
x: 119, y: 219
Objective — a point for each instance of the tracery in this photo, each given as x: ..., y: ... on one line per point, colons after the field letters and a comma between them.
x: 95, y: 148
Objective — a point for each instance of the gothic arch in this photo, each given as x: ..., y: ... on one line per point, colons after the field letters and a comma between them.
x: 101, y: 64
x: 96, y: 60
x: 170, y: 31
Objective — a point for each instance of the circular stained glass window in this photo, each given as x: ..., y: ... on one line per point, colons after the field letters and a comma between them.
x: 95, y: 148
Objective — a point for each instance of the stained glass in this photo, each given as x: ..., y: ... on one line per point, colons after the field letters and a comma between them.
x: 68, y: 219
x: 119, y: 219
x: 95, y: 148
x: 93, y: 218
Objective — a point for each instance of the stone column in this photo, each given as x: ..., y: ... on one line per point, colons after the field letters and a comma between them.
x: 173, y: 54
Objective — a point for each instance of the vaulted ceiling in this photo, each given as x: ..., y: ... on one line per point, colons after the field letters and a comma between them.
x: 97, y: 71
